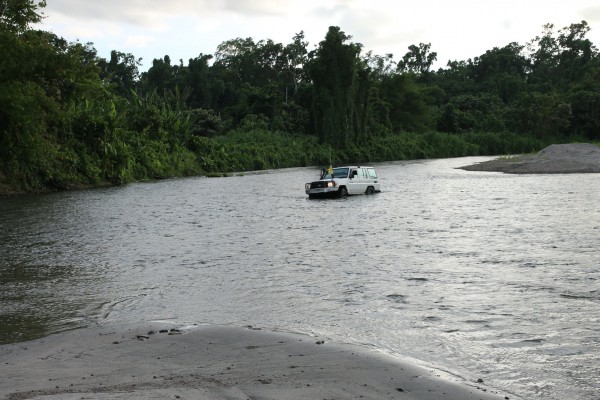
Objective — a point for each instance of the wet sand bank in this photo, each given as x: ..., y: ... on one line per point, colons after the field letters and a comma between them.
x: 215, y: 363
x: 554, y: 159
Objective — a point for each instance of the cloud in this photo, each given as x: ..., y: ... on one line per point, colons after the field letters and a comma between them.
x: 457, y: 29
x: 378, y: 29
x: 139, y: 41
x: 150, y: 14
x: 591, y: 14
x: 256, y: 7
x: 330, y: 12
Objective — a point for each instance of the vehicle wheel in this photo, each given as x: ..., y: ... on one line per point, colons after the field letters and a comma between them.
x: 311, y: 196
x: 343, y: 192
x: 370, y: 190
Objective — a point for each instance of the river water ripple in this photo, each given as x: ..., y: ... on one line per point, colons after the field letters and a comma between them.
x: 483, y: 275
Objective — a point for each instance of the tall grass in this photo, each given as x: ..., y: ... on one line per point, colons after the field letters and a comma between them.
x: 258, y: 149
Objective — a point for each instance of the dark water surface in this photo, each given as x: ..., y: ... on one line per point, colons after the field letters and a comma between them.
x: 483, y: 275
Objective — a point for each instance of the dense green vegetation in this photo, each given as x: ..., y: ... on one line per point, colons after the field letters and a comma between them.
x: 69, y: 118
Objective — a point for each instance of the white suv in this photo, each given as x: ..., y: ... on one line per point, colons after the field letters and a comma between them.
x: 344, y: 181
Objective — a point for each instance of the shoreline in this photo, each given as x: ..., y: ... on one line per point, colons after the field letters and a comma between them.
x: 216, y: 362
x: 554, y: 159
x: 574, y: 158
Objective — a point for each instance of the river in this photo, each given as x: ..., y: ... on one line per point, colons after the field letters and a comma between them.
x: 480, y: 274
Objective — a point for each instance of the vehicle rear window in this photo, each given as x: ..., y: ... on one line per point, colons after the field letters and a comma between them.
x: 372, y: 173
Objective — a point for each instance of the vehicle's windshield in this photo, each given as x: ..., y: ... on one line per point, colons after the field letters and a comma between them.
x: 337, y: 173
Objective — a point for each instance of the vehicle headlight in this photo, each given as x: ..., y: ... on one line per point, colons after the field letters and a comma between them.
x: 307, y: 186
x: 331, y: 184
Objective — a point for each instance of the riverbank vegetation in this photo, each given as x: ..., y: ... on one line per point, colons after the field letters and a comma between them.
x: 69, y: 118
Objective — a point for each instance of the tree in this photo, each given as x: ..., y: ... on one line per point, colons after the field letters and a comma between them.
x: 576, y: 51
x: 198, y: 77
x: 43, y: 78
x: 558, y: 61
x: 455, y: 80
x: 17, y: 15
x: 249, y: 62
x: 543, y: 50
x: 380, y: 66
x: 418, y: 60
x: 254, y: 77
x: 160, y: 76
x: 408, y: 109
x: 543, y: 115
x: 585, y: 106
x: 294, y: 59
x: 334, y: 72
x: 501, y: 71
x: 121, y: 71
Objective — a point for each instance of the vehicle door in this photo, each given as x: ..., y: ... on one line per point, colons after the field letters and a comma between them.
x: 353, y: 181
x: 358, y: 183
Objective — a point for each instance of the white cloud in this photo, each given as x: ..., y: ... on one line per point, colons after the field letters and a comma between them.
x: 139, y: 41
x: 456, y: 29
x: 591, y: 14
x: 255, y: 7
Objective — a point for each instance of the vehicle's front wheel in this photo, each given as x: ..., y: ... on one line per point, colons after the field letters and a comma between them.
x: 370, y: 190
x: 343, y: 192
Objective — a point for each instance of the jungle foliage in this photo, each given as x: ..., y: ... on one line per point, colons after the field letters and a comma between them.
x: 69, y: 118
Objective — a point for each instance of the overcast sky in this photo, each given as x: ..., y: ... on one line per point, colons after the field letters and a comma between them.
x: 182, y: 29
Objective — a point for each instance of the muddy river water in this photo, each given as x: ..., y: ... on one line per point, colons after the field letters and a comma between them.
x: 480, y: 274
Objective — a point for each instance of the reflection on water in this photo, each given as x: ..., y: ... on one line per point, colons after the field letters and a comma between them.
x: 41, y: 299
x: 482, y: 274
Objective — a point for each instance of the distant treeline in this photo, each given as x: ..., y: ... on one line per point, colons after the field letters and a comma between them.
x: 69, y: 118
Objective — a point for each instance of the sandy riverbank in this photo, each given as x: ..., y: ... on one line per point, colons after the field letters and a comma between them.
x: 554, y: 159
x: 215, y: 363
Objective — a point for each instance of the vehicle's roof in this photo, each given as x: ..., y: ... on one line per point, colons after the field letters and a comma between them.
x: 354, y: 166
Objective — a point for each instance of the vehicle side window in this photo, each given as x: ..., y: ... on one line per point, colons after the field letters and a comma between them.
x: 372, y: 173
x: 363, y: 173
